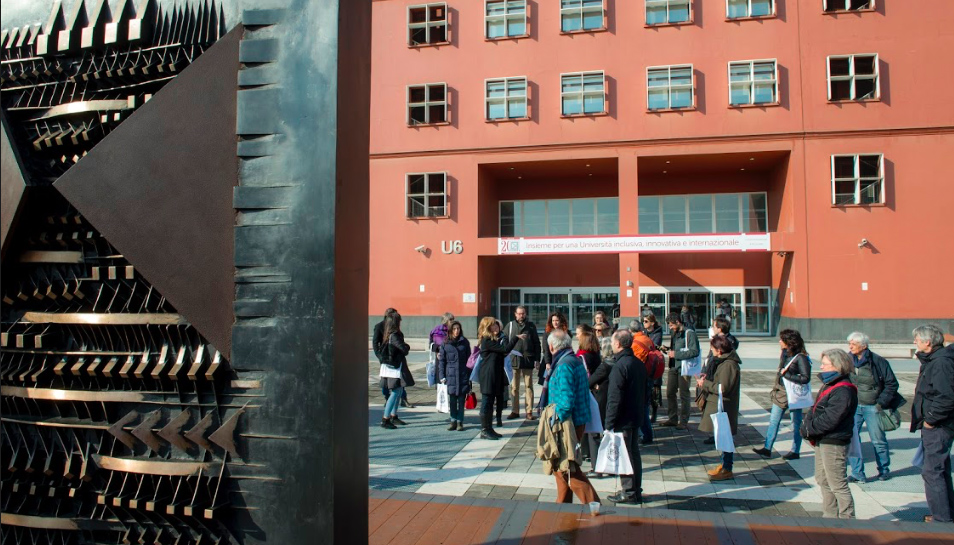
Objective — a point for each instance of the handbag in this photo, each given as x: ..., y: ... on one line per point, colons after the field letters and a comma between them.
x: 691, y: 367
x: 890, y: 419
x: 471, y: 401
x: 799, y: 396
x: 389, y: 372
x: 722, y: 428
x: 443, y: 402
x: 613, y: 458
x: 701, y: 399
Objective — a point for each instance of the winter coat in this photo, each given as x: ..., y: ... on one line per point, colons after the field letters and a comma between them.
x: 547, y: 359
x: 493, y: 378
x: 800, y: 372
x: 725, y: 372
x: 569, y: 390
x: 452, y: 366
x: 888, y: 397
x: 656, y: 335
x: 934, y: 393
x: 599, y: 385
x: 529, y: 347
x: 396, y: 351
x: 591, y: 360
x: 377, y: 341
x: 831, y: 420
x: 626, y: 393
x: 685, y: 344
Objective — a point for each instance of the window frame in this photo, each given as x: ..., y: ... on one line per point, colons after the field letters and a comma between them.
x: 583, y: 94
x: 749, y: 15
x: 546, y: 217
x: 427, y: 105
x: 506, y: 18
x: 582, y: 10
x: 427, y: 194
x: 858, y: 179
x: 847, y: 9
x: 851, y: 77
x: 752, y: 83
x: 427, y: 24
x: 669, y: 68
x: 668, y: 3
x: 712, y: 196
x: 506, y: 98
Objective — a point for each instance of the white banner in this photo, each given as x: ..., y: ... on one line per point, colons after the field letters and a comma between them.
x: 752, y: 242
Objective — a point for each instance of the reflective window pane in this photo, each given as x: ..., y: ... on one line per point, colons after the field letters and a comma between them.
x: 517, y: 108
x: 534, y: 218
x: 496, y: 109
x: 700, y: 214
x: 584, y: 217
x: 649, y: 216
x: 754, y: 213
x: 674, y: 214
x: 506, y: 219
x: 737, y: 8
x: 727, y: 213
x: 607, y: 216
x: 869, y: 166
x: 761, y: 7
x: 659, y: 99
x: 558, y: 214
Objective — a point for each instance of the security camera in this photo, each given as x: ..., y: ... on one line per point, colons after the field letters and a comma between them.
x: 422, y: 248
x: 863, y: 243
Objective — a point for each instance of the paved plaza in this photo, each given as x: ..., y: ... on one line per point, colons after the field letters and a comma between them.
x: 424, y: 458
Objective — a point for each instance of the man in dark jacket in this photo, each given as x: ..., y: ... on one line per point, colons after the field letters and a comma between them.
x: 877, y: 392
x: 625, y: 411
x: 932, y: 412
x: 683, y: 345
x: 523, y: 365
x: 378, y: 346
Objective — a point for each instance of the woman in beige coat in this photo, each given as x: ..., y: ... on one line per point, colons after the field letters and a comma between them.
x: 725, y: 373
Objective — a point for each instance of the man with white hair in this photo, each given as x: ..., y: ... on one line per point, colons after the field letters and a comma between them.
x: 932, y: 412
x: 877, y: 392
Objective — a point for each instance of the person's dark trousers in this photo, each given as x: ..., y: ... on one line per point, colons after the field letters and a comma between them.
x: 594, y: 440
x: 487, y: 408
x: 727, y: 458
x: 633, y: 484
x: 647, y: 428
x: 936, y: 472
x: 457, y: 407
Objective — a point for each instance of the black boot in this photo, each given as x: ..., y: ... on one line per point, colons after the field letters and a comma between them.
x: 386, y: 424
x: 486, y: 432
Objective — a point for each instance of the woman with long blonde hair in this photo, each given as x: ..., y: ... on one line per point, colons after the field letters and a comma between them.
x: 491, y: 374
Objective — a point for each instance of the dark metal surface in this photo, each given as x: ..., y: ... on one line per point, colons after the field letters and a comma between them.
x: 12, y: 185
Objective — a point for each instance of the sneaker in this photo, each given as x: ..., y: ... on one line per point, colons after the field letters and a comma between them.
x: 884, y: 476
x: 763, y: 452
x: 715, y: 471
x: 791, y: 456
x: 453, y: 426
x: 513, y: 416
x: 485, y: 434
x: 859, y: 480
x: 722, y: 475
x: 386, y: 424
x: 669, y: 424
x: 398, y: 421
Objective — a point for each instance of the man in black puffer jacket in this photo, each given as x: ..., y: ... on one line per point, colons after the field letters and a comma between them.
x: 932, y: 412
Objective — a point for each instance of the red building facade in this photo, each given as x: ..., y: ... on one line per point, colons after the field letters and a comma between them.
x: 787, y: 156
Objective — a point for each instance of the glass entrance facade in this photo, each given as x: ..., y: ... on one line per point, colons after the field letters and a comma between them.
x: 751, y: 307
x: 577, y: 304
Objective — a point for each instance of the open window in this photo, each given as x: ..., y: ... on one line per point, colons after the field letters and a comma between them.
x: 426, y: 195
x: 427, y: 104
x: 853, y: 77
x: 834, y: 6
x: 857, y: 179
x: 427, y: 25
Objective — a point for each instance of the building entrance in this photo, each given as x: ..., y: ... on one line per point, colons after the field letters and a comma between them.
x: 750, y: 306
x: 579, y: 305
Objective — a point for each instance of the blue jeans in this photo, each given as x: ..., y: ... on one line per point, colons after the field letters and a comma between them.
x: 868, y: 414
x: 457, y: 407
x: 394, y: 401
x: 647, y: 428
x: 387, y: 392
x: 727, y: 458
x: 776, y: 420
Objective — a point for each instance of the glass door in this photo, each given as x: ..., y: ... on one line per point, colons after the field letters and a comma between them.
x: 698, y: 303
x: 577, y: 304
x: 734, y: 299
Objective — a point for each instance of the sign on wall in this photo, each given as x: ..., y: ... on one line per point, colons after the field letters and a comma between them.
x: 745, y: 242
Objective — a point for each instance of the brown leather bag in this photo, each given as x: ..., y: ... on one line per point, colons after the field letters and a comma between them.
x: 701, y: 399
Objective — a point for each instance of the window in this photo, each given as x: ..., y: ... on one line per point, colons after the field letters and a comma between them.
x: 699, y: 214
x: 506, y: 98
x: 670, y: 87
x: 426, y: 195
x: 740, y: 9
x: 857, y: 179
x: 584, y: 93
x: 853, y: 77
x: 559, y: 217
x: 505, y: 18
x: 427, y: 24
x: 582, y: 15
x: 667, y: 12
x: 427, y: 104
x: 848, y: 5
x: 757, y: 307
x: 753, y: 82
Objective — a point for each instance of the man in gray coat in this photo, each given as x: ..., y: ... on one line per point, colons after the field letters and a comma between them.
x: 683, y: 345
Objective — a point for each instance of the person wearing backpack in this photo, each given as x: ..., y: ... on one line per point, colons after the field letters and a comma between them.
x: 877, y: 392
x: 795, y: 366
x: 453, y: 372
x: 829, y: 426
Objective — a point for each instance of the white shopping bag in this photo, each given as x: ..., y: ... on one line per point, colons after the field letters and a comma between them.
x: 613, y: 458
x: 722, y: 428
x: 691, y: 367
x: 595, y: 425
x: 443, y: 402
x: 431, y: 367
x: 799, y: 395
x: 854, y: 448
x: 389, y: 372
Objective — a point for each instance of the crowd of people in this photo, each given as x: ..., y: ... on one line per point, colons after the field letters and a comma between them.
x: 622, y: 370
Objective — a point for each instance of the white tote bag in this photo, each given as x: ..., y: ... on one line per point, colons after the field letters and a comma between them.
x: 595, y: 425
x: 799, y: 395
x: 691, y: 367
x: 722, y: 428
x: 389, y: 372
x: 613, y: 458
x: 443, y: 401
